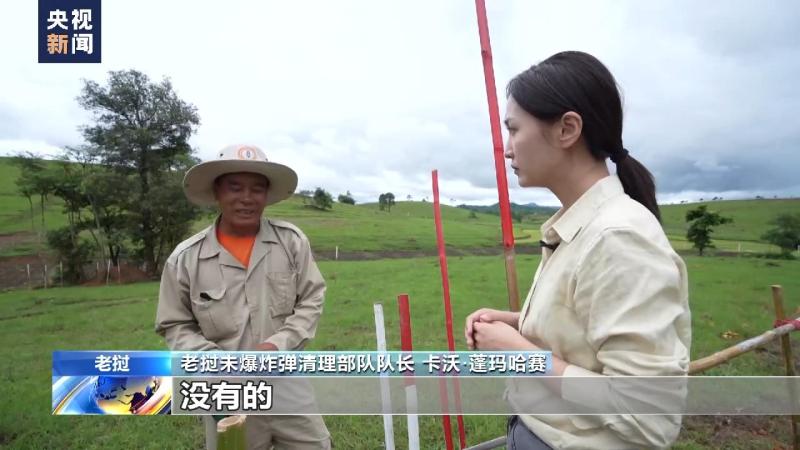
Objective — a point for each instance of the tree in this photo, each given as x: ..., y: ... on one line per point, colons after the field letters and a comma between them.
x: 322, y: 199
x: 28, y: 181
x: 75, y: 253
x: 701, y: 225
x: 347, y: 198
x: 785, y: 232
x: 34, y: 179
x: 386, y: 201
x: 141, y: 129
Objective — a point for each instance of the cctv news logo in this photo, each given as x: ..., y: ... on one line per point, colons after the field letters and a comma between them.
x: 69, y: 31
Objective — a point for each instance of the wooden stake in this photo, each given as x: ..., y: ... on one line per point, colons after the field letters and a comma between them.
x: 108, y: 271
x: 30, y: 285
x: 231, y: 433
x: 723, y: 356
x: 336, y: 257
x: 61, y: 271
x: 45, y: 276
x: 119, y: 273
x: 786, y: 348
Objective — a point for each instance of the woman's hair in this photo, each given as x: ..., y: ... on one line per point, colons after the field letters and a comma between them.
x: 579, y: 82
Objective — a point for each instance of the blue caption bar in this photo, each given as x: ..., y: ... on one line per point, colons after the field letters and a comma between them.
x: 300, y: 364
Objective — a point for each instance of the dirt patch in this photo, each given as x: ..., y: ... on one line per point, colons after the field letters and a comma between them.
x: 14, y: 271
x: 125, y: 273
x: 754, y: 432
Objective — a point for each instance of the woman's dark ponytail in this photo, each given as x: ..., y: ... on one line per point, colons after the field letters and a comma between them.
x: 579, y: 82
x: 637, y: 181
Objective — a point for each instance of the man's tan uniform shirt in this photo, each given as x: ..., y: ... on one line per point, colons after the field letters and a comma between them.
x: 210, y: 301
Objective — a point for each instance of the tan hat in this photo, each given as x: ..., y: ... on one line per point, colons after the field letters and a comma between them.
x: 198, y: 184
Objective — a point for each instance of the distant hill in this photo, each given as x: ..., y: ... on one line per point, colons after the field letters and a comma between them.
x: 409, y: 225
x: 525, y: 210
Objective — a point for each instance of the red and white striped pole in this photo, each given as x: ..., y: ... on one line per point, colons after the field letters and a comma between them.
x: 499, y: 160
x: 411, y: 388
x: 448, y: 310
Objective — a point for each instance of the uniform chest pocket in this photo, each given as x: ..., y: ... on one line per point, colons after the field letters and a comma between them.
x: 282, y: 292
x: 213, y: 314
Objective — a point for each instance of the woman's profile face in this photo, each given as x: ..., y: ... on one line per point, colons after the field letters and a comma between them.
x: 534, y: 160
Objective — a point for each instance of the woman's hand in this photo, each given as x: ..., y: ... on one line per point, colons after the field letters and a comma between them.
x: 498, y: 335
x: 487, y: 315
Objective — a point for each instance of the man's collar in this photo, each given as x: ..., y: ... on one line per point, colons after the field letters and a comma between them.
x: 211, y: 246
x: 565, y: 224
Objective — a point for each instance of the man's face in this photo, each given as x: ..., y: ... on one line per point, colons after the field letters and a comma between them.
x: 241, y: 198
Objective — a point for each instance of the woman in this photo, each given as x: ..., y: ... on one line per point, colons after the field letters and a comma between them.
x: 610, y: 296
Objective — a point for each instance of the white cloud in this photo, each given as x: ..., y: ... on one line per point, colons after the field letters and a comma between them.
x: 370, y: 96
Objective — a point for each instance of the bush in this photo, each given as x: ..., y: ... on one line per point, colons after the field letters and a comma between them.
x: 322, y: 199
x: 74, y: 251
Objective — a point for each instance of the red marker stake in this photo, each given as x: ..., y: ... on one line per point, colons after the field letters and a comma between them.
x: 405, y: 345
x: 411, y: 388
x: 499, y: 160
x: 448, y: 310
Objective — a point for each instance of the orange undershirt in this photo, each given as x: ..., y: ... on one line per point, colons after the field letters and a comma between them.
x: 239, y: 246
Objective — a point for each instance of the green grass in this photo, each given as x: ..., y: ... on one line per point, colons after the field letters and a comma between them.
x: 408, y: 227
x: 726, y: 294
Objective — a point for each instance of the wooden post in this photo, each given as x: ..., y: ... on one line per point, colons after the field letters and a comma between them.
x: 108, y: 271
x: 44, y: 273
x: 61, y: 272
x: 119, y: 273
x: 723, y: 356
x: 231, y: 433
x: 336, y: 257
x: 786, y: 348
x: 30, y: 285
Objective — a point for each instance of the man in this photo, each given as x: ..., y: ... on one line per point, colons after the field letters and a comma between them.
x: 245, y: 283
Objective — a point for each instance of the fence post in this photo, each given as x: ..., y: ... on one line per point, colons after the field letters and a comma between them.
x: 786, y: 348
x: 61, y: 272
x: 45, y: 276
x: 28, y: 268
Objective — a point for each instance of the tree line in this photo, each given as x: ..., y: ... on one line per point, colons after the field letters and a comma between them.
x: 784, y: 232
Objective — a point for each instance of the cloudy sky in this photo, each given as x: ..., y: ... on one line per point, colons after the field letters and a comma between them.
x: 370, y: 96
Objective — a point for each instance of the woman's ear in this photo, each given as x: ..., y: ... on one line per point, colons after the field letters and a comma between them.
x: 570, y: 127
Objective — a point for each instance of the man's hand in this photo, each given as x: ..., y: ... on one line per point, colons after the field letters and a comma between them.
x: 487, y: 315
x: 267, y: 347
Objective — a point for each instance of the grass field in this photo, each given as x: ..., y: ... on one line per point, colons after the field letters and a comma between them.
x: 727, y: 294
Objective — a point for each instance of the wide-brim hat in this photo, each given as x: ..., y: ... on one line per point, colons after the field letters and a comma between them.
x: 198, y: 184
